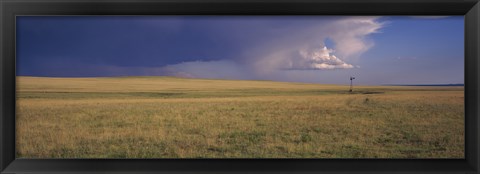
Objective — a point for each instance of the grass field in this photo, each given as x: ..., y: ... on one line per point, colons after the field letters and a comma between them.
x: 164, y: 117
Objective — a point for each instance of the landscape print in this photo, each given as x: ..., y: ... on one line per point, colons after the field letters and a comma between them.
x: 240, y: 87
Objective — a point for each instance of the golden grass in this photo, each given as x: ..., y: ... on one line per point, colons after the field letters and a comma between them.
x: 163, y: 117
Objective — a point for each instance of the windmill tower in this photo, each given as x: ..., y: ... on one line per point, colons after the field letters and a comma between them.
x: 351, y: 83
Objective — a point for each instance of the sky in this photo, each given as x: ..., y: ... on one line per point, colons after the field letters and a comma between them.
x: 377, y: 50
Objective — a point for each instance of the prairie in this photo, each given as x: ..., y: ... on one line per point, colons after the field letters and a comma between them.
x: 166, y: 117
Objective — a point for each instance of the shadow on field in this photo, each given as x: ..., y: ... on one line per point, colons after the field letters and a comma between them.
x: 362, y: 92
x: 90, y: 95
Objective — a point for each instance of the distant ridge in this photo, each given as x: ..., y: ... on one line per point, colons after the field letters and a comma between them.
x: 458, y: 84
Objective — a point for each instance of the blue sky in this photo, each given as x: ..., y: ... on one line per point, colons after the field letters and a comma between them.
x: 313, y: 49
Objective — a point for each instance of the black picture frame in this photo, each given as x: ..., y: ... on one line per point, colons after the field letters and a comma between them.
x: 9, y: 9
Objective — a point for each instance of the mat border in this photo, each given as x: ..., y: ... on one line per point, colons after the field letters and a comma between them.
x: 9, y: 9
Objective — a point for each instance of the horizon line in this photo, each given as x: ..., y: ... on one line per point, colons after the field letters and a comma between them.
x: 406, y: 84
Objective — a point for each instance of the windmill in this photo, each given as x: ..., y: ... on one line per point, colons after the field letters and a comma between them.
x: 351, y: 83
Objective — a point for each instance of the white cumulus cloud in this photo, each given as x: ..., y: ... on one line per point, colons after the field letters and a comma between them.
x: 349, y: 34
x: 318, y: 58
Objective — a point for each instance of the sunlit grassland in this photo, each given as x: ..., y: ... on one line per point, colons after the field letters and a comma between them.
x: 164, y: 117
